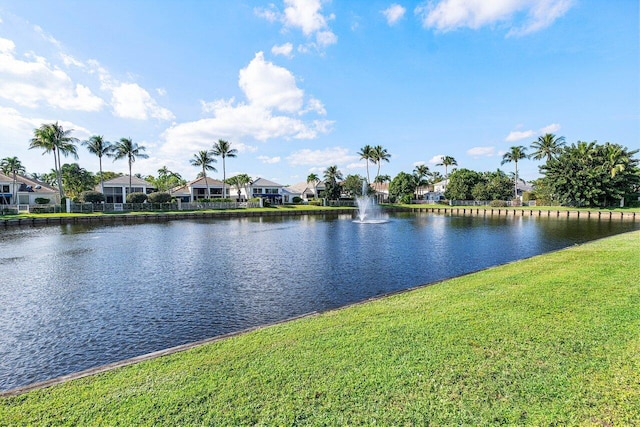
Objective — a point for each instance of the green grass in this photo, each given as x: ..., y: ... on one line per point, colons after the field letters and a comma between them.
x: 551, y: 340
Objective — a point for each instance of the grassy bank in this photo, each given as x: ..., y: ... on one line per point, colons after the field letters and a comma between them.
x: 552, y: 340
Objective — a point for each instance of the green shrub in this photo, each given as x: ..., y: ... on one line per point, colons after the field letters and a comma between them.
x: 91, y: 197
x: 159, y: 197
x: 297, y: 199
x: 136, y: 198
x: 405, y: 199
x: 42, y: 201
x: 498, y: 204
x: 528, y: 196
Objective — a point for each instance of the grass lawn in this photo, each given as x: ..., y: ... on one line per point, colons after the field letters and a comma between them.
x: 551, y: 340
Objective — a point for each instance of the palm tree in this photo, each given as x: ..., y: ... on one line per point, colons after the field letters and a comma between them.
x: 366, y: 154
x: 332, y: 174
x: 131, y: 150
x: 52, y: 138
x: 513, y: 155
x: 447, y: 161
x: 547, y: 146
x: 203, y: 159
x: 12, y: 165
x: 99, y: 147
x: 223, y: 149
x: 379, y: 155
x: 240, y: 181
x: 381, y: 179
x: 313, y: 179
x: 420, y: 172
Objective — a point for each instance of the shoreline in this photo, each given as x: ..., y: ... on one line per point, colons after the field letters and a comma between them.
x: 228, y: 214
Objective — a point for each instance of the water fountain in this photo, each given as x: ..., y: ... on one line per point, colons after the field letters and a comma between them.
x: 368, y: 211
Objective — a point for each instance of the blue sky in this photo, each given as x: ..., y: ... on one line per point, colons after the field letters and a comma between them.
x: 299, y: 85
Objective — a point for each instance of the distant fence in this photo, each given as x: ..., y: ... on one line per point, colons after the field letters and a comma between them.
x: 341, y: 203
x: 153, y: 207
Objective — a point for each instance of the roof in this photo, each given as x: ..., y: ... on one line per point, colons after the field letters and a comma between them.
x: 261, y: 182
x: 124, y: 180
x: 36, y: 185
x: 303, y: 187
x: 198, y: 182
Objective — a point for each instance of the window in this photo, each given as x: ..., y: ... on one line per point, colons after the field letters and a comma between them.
x: 5, y: 189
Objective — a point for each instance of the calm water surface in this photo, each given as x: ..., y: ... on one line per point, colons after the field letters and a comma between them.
x: 78, y: 296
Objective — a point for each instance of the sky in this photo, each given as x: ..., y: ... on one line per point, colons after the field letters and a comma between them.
x: 300, y: 85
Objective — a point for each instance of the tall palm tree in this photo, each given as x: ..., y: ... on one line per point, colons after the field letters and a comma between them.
x: 240, y: 182
x: 366, y: 154
x: 99, y: 147
x: 447, y: 161
x: 515, y: 154
x: 314, y: 180
x: 203, y: 159
x: 379, y: 155
x: 223, y: 149
x: 420, y: 172
x: 131, y: 150
x: 547, y: 145
x: 52, y: 138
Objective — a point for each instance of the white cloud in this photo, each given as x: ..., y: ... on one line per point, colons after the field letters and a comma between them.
x: 481, y: 151
x: 518, y: 135
x: 305, y: 15
x: 131, y: 101
x: 436, y: 159
x: 419, y: 163
x: 522, y: 16
x: 270, y: 86
x: 284, y: 50
x: 394, y: 13
x: 161, y: 91
x: 273, y: 107
x: 269, y: 160
x: 34, y: 82
x: 352, y: 166
x: 324, y: 158
x: 552, y: 128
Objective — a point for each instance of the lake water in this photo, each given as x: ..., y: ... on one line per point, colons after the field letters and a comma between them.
x: 78, y: 296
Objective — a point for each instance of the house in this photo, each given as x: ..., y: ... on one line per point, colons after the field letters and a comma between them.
x: 116, y: 189
x: 304, y: 190
x: 196, y: 190
x: 274, y: 192
x: 24, y: 191
x: 381, y: 191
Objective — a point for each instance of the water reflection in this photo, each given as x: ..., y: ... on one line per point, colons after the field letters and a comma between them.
x: 77, y: 296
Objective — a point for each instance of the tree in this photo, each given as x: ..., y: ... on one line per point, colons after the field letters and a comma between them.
x: 331, y: 177
x: 352, y: 185
x: 493, y: 186
x: 547, y: 146
x: 131, y: 150
x: 52, y: 138
x: 76, y: 180
x: 223, y: 149
x: 239, y: 182
x: 515, y: 154
x: 461, y: 184
x: 166, y: 179
x: 366, y: 153
x: 447, y: 161
x: 401, y: 186
x: 314, y: 180
x: 99, y: 147
x: 592, y: 174
x: 12, y: 165
x: 381, y: 179
x: 203, y: 159
x: 379, y: 155
x: 420, y: 173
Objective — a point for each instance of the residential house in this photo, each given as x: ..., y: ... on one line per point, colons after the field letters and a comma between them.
x: 117, y: 189
x: 274, y: 192
x: 24, y: 191
x: 196, y: 190
x: 304, y: 190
